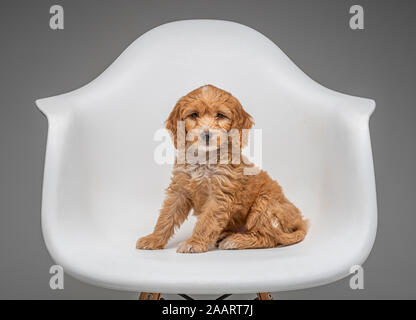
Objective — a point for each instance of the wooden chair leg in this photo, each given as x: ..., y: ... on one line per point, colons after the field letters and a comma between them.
x: 264, y: 296
x: 158, y: 296
x: 149, y: 296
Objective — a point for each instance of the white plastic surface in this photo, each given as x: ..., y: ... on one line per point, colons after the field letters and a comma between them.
x: 102, y: 188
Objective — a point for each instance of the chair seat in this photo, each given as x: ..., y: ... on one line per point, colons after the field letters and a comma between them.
x: 103, y: 186
x: 105, y: 255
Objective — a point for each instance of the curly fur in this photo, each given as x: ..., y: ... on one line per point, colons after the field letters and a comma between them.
x: 234, y: 210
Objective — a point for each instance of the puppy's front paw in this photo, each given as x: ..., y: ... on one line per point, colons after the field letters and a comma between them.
x: 150, y: 242
x: 191, y: 246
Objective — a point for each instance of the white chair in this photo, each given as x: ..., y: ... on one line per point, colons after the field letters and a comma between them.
x: 102, y: 188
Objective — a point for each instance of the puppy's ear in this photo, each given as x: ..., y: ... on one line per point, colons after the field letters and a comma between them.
x: 172, y: 122
x: 242, y: 121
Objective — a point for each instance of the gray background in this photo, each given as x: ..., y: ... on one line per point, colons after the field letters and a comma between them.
x: 377, y: 62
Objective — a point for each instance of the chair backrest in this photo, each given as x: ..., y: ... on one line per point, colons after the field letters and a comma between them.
x: 101, y: 142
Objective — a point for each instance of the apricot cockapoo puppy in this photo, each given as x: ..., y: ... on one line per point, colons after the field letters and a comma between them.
x: 238, y: 206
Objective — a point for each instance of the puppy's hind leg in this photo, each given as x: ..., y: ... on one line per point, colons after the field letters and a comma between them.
x: 222, y: 236
x: 254, y: 237
x: 257, y: 240
x: 266, y: 231
x: 250, y: 240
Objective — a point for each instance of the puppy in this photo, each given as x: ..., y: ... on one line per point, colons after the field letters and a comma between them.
x: 236, y: 209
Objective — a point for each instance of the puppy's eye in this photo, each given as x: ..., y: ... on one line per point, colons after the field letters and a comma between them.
x: 194, y: 115
x: 220, y: 115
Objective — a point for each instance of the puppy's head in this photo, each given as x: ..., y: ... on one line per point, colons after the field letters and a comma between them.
x: 208, y: 114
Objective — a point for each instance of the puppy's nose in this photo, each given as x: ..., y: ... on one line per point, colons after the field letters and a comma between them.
x: 206, y: 135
